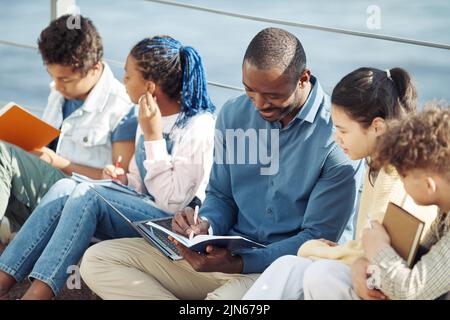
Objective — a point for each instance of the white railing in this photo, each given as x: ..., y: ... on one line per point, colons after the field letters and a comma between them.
x: 60, y: 7
x: 306, y: 26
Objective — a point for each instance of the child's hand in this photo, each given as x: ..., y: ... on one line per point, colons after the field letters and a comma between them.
x: 115, y: 173
x: 359, y: 281
x: 374, y: 240
x: 328, y: 242
x: 51, y: 157
x: 150, y: 118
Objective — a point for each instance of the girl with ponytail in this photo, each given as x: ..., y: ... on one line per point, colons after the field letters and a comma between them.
x: 171, y: 166
x: 362, y: 102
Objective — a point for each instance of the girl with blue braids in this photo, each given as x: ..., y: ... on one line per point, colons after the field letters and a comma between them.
x: 174, y: 154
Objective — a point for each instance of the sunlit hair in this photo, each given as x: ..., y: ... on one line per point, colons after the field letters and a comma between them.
x: 79, y: 48
x: 420, y: 141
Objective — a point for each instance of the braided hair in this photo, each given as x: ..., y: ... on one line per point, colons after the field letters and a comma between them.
x: 177, y: 70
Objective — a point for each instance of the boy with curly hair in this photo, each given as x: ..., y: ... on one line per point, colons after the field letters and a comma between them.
x: 91, y: 108
x: 418, y: 147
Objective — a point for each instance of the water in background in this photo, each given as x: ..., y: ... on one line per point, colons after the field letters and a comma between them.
x: 222, y: 40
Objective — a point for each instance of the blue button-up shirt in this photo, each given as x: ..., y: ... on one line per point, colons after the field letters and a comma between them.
x: 310, y: 194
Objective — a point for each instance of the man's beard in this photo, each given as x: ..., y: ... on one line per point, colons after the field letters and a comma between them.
x: 292, y: 108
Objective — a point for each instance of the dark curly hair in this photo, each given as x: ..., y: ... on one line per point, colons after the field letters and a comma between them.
x: 420, y: 141
x: 80, y: 48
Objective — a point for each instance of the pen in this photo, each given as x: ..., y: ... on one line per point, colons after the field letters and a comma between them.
x: 118, y: 161
x: 191, y: 235
x: 196, y: 215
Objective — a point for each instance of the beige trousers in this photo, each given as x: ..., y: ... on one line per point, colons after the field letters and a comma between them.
x: 133, y: 269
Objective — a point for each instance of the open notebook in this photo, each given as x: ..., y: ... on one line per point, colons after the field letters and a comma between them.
x: 200, y: 242
x: 405, y: 231
x: 110, y: 184
x: 156, y: 232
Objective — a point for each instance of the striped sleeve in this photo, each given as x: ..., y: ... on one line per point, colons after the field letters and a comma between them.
x: 428, y: 279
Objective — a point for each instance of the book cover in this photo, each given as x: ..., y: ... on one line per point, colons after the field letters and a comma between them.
x: 404, y: 230
x: 23, y: 129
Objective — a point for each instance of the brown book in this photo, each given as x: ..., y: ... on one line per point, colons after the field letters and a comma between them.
x: 25, y: 130
x: 405, y: 231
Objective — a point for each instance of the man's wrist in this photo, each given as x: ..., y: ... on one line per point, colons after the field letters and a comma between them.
x: 238, y: 264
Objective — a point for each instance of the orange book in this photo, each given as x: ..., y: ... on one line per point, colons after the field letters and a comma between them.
x: 404, y: 230
x: 25, y: 130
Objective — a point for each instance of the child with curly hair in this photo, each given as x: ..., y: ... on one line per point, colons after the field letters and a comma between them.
x: 418, y: 147
x: 88, y: 104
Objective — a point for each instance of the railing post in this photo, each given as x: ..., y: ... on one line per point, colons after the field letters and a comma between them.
x: 60, y: 7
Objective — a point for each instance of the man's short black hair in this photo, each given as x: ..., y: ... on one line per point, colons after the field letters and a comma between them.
x: 79, y: 47
x: 277, y: 48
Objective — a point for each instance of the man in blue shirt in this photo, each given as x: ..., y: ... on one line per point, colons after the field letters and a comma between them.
x: 278, y: 178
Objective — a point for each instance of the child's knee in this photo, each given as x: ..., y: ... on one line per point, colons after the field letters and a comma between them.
x: 291, y: 265
x: 83, y: 188
x: 64, y: 187
x: 5, y: 156
x: 294, y: 261
x: 317, y: 273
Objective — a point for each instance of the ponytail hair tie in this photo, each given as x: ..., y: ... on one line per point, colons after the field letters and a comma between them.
x: 388, y: 74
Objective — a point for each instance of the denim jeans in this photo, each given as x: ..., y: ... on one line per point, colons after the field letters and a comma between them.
x: 61, y: 227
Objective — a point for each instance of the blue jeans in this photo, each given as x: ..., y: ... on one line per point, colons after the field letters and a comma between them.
x: 61, y: 227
